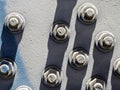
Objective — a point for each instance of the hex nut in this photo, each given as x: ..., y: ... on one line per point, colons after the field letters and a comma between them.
x: 23, y: 87
x: 95, y: 84
x: 15, y: 22
x: 87, y: 13
x: 78, y: 58
x: 60, y: 32
x: 52, y: 76
x: 105, y: 41
x: 116, y: 67
x: 7, y: 68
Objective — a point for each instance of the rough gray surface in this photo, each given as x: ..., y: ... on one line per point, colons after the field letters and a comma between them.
x: 32, y: 52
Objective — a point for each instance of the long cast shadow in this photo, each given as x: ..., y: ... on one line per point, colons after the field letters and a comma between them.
x: 115, y: 81
x: 4, y: 84
x: 56, y: 50
x: 82, y: 40
x: 10, y: 42
x: 101, y: 63
x: 9, y: 47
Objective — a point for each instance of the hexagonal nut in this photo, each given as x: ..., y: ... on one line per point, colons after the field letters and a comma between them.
x: 95, y: 84
x: 52, y: 76
x: 105, y: 41
x: 15, y: 22
x: 60, y: 32
x: 116, y: 67
x: 23, y: 87
x: 7, y: 68
x: 78, y: 58
x: 87, y: 13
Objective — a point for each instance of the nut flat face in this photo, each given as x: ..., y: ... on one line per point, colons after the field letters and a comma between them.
x: 7, y: 68
x: 87, y: 13
x: 116, y: 67
x: 95, y: 84
x: 4, y: 69
x: 60, y: 32
x: 23, y: 87
x: 78, y: 58
x: 105, y: 41
x: 98, y: 86
x: 52, y: 76
x: 15, y: 22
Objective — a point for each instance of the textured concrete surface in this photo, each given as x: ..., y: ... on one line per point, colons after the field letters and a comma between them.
x: 31, y: 54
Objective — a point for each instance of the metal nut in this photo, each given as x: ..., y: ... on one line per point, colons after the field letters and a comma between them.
x: 60, y: 32
x: 105, y: 41
x: 87, y: 13
x: 7, y: 68
x: 23, y: 87
x: 95, y: 84
x: 52, y: 76
x: 78, y: 58
x: 15, y: 22
x: 116, y: 67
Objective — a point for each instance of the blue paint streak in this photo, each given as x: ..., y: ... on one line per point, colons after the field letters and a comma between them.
x: 22, y: 75
x: 2, y: 16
